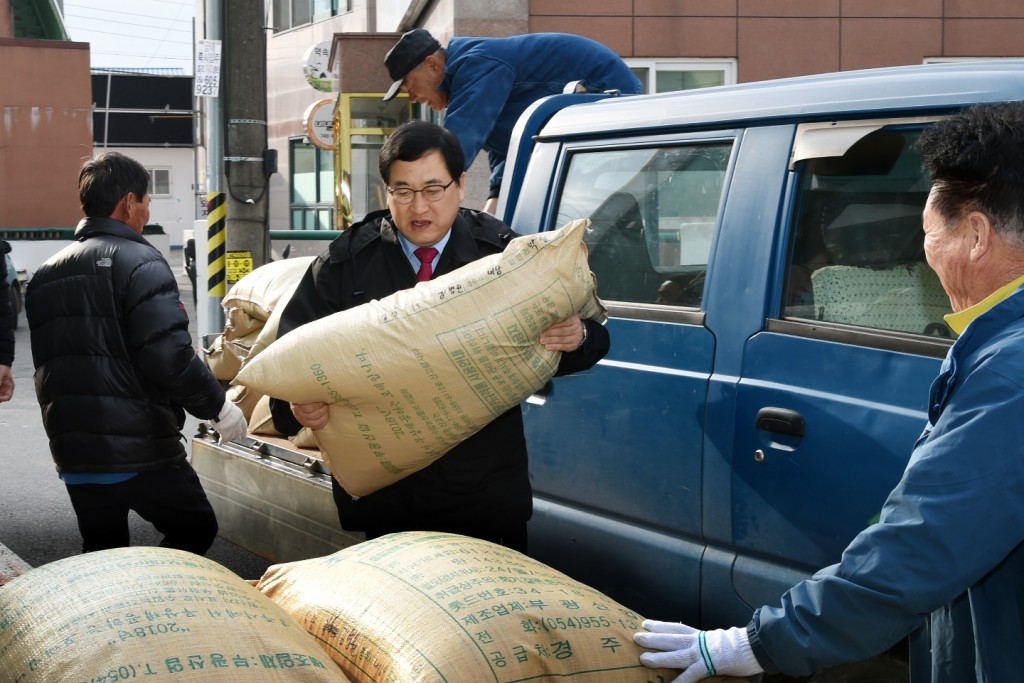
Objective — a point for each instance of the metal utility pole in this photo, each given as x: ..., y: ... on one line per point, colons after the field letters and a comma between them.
x: 247, y: 162
x: 210, y: 250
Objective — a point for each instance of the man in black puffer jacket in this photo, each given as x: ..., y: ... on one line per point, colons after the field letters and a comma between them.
x: 115, y: 371
x: 7, y: 317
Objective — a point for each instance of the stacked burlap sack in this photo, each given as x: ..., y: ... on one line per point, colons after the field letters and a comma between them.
x: 421, y: 607
x: 415, y: 607
x: 142, y: 613
x: 412, y: 375
x: 252, y: 310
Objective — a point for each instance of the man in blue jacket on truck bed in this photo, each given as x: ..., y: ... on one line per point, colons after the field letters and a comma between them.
x: 945, y: 562
x: 485, y: 84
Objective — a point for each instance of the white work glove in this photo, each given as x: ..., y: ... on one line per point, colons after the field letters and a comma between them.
x: 230, y: 423
x: 699, y: 653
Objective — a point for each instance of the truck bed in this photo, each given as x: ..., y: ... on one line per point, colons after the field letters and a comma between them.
x: 271, y: 497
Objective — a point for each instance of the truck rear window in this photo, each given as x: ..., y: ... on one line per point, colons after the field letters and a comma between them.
x: 857, y: 250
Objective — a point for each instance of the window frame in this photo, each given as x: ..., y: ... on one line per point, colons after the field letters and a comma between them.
x: 691, y: 314
x: 152, y: 171
x: 321, y: 213
x: 283, y: 13
x: 727, y: 66
x: 840, y: 332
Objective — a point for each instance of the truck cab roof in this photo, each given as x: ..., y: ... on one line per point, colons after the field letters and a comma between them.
x: 927, y: 87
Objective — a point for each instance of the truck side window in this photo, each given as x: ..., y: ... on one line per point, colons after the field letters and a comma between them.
x: 857, y: 253
x: 653, y: 213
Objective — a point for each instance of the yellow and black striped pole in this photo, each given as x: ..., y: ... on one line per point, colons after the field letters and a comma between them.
x: 216, y: 273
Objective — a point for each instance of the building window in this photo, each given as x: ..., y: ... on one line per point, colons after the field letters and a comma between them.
x: 291, y: 13
x: 159, y: 182
x: 312, y: 187
x: 953, y: 60
x: 665, y: 75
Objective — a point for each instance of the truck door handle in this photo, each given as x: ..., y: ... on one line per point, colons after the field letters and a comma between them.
x: 781, y: 420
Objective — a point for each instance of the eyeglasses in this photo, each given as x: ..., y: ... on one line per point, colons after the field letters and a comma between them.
x: 432, y: 193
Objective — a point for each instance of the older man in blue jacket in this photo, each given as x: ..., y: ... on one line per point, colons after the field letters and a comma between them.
x: 485, y: 84
x: 945, y: 562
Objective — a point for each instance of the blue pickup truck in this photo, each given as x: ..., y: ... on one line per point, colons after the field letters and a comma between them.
x: 774, y: 327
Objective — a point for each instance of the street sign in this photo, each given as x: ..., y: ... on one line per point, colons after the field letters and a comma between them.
x: 207, y: 68
x: 319, y: 122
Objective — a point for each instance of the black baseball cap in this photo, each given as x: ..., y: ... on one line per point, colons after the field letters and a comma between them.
x: 408, y: 53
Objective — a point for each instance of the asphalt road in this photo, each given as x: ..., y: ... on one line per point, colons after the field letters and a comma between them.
x: 37, y: 522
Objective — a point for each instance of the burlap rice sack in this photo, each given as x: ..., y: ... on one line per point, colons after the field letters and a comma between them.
x: 421, y: 606
x: 268, y: 288
x: 305, y: 439
x: 250, y: 301
x: 245, y: 399
x: 416, y: 373
x: 262, y: 422
x: 149, y: 613
x: 268, y: 333
x: 226, y: 356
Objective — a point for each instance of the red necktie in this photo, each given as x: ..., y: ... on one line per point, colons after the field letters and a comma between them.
x: 426, y: 256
